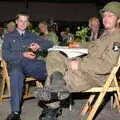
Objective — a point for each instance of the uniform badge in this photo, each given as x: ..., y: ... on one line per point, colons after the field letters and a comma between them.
x: 116, y: 46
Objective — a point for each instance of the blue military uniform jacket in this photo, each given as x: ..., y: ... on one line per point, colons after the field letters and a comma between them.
x: 14, y: 45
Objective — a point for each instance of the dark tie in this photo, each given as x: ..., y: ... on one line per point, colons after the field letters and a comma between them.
x: 22, y: 34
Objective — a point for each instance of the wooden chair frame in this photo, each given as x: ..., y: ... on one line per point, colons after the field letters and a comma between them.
x: 5, y: 85
x: 102, y: 92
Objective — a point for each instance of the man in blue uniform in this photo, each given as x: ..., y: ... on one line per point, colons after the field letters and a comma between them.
x: 22, y: 63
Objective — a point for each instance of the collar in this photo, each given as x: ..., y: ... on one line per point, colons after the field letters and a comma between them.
x: 21, y: 32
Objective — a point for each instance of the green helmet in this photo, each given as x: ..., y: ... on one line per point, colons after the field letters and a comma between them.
x: 113, y: 7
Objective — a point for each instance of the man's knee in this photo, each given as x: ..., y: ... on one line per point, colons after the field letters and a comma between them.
x: 57, y: 81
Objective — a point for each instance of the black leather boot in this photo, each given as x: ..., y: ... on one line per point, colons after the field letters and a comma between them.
x: 14, y: 116
x: 50, y: 114
x: 46, y: 94
x: 55, y: 91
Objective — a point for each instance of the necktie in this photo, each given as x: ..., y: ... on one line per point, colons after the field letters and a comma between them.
x: 22, y: 34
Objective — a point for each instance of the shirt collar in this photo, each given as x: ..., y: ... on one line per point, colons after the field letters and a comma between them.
x: 21, y: 32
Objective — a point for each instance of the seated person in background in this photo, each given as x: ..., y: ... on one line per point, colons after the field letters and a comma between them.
x: 66, y: 36
x: 94, y: 26
x: 21, y: 62
x: 11, y: 26
x: 48, y: 33
x: 92, y: 69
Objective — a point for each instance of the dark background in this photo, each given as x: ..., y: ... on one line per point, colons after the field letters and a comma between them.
x: 59, y: 10
x: 69, y: 12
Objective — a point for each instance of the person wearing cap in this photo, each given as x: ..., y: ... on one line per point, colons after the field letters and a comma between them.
x: 47, y: 32
x: 94, y: 68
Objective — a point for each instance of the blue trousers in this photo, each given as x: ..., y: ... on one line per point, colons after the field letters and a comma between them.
x: 17, y: 72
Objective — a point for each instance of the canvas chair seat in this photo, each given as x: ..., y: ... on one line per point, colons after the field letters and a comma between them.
x: 5, y: 85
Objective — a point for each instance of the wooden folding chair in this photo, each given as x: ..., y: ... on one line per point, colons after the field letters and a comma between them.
x: 91, y: 106
x: 5, y: 85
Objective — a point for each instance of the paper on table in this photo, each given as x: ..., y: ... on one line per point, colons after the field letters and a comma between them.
x: 70, y: 52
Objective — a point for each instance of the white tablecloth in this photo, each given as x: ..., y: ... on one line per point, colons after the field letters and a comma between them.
x: 70, y: 52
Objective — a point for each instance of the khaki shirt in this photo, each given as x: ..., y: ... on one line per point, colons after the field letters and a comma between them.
x: 95, y: 67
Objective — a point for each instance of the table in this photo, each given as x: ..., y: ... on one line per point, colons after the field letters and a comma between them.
x: 70, y: 52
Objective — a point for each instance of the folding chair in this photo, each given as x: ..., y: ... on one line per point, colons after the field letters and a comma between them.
x: 93, y: 107
x: 5, y: 85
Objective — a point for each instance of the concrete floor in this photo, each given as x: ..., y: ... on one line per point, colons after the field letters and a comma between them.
x: 31, y: 111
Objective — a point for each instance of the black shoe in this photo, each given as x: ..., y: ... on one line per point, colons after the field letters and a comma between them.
x: 50, y: 114
x: 14, y: 116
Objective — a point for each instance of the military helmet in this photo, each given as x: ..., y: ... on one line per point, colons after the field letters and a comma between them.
x: 113, y: 7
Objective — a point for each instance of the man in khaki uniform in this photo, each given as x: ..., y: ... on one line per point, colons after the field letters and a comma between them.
x: 94, y: 68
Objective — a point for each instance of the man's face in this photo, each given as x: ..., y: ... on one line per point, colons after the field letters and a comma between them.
x: 94, y: 26
x: 10, y: 28
x: 22, y: 22
x: 109, y: 20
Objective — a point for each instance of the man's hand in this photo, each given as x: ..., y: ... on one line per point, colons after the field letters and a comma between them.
x: 29, y: 55
x: 34, y: 46
x: 73, y: 64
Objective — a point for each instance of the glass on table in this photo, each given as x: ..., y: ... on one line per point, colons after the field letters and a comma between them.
x: 73, y: 44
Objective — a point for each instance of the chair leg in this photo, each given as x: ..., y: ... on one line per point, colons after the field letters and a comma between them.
x: 112, y: 101
x: 27, y: 94
x: 70, y: 103
x: 2, y: 90
x: 116, y: 102
x: 39, y: 84
x: 26, y: 89
x: 96, y: 105
x: 118, y: 88
x: 8, y: 86
x: 87, y: 105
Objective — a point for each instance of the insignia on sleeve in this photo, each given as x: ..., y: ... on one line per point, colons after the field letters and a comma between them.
x: 116, y: 46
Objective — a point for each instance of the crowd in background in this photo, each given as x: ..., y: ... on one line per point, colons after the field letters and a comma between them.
x: 51, y: 30
x: 67, y: 35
